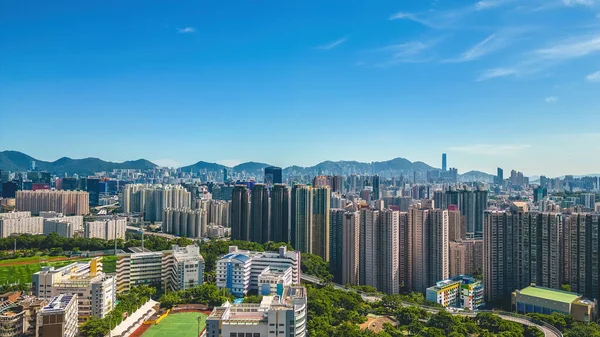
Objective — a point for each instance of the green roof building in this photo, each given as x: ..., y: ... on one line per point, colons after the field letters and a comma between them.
x: 543, y: 300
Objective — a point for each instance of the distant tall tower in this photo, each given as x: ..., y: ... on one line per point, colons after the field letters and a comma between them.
x: 376, y: 188
x: 320, y: 222
x: 33, y: 165
x: 301, y: 223
x: 240, y: 213
x: 500, y: 176
x: 224, y: 174
x: 280, y: 213
x: 259, y: 214
x: 273, y: 175
x: 443, y: 162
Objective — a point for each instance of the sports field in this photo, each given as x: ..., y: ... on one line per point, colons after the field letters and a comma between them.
x: 20, y: 269
x: 183, y: 324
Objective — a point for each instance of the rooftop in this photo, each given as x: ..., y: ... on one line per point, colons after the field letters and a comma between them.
x: 550, y: 294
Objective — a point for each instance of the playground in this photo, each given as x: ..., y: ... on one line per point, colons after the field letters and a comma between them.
x: 184, y: 324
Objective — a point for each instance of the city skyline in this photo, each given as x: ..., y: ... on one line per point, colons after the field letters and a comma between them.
x: 491, y: 83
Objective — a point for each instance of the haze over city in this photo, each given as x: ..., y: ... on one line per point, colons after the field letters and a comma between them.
x: 491, y: 83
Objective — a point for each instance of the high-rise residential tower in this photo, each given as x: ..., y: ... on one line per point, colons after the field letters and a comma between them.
x: 260, y: 209
x: 320, y: 222
x: 240, y: 213
x: 302, y: 218
x: 280, y: 213
x: 430, y: 257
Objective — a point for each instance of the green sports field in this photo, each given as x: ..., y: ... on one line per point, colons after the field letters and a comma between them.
x: 183, y: 324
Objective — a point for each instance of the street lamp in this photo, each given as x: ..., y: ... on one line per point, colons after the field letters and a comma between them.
x: 199, y: 319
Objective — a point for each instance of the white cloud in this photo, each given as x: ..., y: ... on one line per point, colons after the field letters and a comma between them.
x: 594, y: 77
x: 332, y: 44
x: 412, y: 17
x: 571, y: 3
x: 551, y: 99
x: 495, y: 73
x: 186, y: 30
x: 572, y: 48
x: 488, y: 4
x: 408, y: 52
x: 491, y: 149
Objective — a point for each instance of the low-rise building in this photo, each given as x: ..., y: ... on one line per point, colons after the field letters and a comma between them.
x: 161, y: 269
x: 462, y: 291
x: 534, y: 299
x: 59, y: 317
x: 239, y: 270
x: 96, y: 290
x: 12, y: 319
x: 283, y: 314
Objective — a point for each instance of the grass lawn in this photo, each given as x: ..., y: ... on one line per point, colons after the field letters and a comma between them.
x: 183, y: 324
x: 22, y: 272
x: 109, y: 264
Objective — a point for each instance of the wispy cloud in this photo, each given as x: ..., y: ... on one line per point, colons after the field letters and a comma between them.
x: 332, y: 44
x: 448, y: 18
x: 408, y: 52
x: 490, y: 149
x: 551, y: 99
x: 594, y: 77
x: 495, y: 73
x: 186, y: 30
x: 545, y: 58
x: 494, y: 42
x: 416, y: 17
x: 571, y: 3
x: 572, y: 48
x: 489, y: 4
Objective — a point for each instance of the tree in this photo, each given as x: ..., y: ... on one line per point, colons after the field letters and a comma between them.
x: 532, y: 331
x: 565, y: 287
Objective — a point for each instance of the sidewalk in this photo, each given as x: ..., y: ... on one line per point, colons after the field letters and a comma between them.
x: 131, y: 323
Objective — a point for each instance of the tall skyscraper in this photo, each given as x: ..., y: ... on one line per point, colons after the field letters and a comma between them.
x: 320, y: 222
x: 301, y: 224
x: 350, y: 248
x: 154, y: 199
x: 443, y: 162
x: 369, y: 247
x: 280, y: 213
x: 499, y: 176
x: 582, y: 253
x: 430, y: 260
x: 240, y: 213
x: 336, y: 249
x: 273, y: 175
x: 389, y: 245
x: 225, y: 175
x: 260, y: 209
x: 471, y: 205
x: 376, y: 188
x: 337, y: 184
x: 521, y: 248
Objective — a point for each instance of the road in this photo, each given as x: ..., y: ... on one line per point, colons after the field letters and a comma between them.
x: 548, y: 330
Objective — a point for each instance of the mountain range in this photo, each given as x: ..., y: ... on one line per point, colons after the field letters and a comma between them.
x: 18, y: 161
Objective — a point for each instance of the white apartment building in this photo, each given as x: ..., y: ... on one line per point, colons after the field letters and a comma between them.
x: 20, y: 223
x: 154, y: 199
x: 107, y: 229
x: 96, y: 290
x: 59, y: 317
x: 239, y: 270
x: 164, y: 269
x: 188, y: 267
x: 75, y: 220
x: 281, y: 315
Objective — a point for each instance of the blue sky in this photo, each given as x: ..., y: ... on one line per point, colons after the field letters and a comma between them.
x: 510, y: 83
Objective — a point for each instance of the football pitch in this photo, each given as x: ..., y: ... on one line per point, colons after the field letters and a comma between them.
x: 183, y: 324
